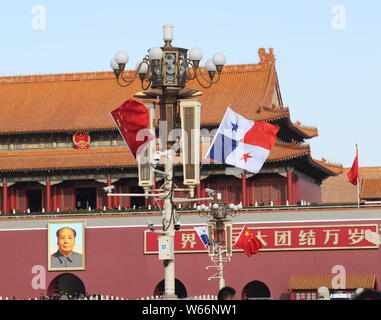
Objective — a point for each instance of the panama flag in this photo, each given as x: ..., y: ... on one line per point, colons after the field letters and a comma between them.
x: 202, y: 233
x: 242, y: 143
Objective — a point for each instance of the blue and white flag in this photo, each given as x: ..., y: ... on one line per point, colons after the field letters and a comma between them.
x: 242, y: 143
x: 203, y: 234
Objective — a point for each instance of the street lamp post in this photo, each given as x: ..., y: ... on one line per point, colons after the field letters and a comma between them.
x: 220, y: 234
x: 163, y: 74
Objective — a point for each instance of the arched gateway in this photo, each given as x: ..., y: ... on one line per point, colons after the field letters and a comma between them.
x: 180, y: 289
x: 66, y: 283
x: 256, y: 290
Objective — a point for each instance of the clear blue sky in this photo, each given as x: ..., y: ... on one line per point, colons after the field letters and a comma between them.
x: 329, y: 78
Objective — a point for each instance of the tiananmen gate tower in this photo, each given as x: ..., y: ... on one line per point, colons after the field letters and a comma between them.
x: 41, y: 168
x: 59, y: 148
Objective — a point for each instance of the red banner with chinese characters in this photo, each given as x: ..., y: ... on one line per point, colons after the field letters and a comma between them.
x: 315, y: 237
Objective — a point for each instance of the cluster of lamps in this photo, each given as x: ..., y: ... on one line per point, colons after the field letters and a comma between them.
x: 215, y: 206
x: 169, y: 66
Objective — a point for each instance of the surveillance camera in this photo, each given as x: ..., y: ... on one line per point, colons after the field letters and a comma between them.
x: 177, y: 224
x: 155, y: 158
x: 109, y: 188
x: 210, y: 192
x: 150, y: 226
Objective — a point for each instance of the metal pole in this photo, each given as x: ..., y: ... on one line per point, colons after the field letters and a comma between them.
x: 220, y: 269
x: 358, y: 180
x: 358, y: 193
x: 169, y: 265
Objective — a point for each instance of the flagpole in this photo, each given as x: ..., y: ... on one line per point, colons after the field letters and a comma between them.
x: 240, y: 234
x: 358, y: 179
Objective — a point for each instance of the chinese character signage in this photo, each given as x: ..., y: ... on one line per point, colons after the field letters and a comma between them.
x: 326, y: 237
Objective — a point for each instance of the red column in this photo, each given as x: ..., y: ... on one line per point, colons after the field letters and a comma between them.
x: 290, y: 196
x: 5, y: 199
x: 59, y: 197
x: 48, y: 204
x: 128, y: 199
x: 12, y: 198
x: 250, y: 197
x: 109, y: 199
x: 54, y: 199
x: 198, y: 190
x: 244, y: 191
x: 153, y: 202
x: 117, y: 202
x: 202, y: 191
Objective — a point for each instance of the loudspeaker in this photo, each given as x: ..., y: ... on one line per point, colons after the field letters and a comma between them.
x: 190, y: 140
x: 145, y: 171
x: 229, y: 239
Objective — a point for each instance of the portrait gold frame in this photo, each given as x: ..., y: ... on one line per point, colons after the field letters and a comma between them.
x: 83, y: 244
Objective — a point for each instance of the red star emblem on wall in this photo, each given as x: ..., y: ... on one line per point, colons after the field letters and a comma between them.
x: 246, y: 156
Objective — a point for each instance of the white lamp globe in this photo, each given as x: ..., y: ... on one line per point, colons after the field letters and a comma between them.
x: 155, y: 53
x: 195, y: 54
x: 121, y: 57
x: 210, y: 66
x: 219, y: 59
x: 215, y: 205
x: 143, y: 68
x: 113, y: 64
x: 168, y: 32
x: 203, y: 207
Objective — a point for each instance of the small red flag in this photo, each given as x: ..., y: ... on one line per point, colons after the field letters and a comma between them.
x: 353, y: 174
x: 130, y: 118
x: 248, y: 242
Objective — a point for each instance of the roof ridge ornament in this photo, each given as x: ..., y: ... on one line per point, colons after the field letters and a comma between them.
x: 329, y: 163
x: 301, y: 125
x: 266, y: 58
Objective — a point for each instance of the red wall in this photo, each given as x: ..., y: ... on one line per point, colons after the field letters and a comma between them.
x: 116, y: 265
x: 306, y: 190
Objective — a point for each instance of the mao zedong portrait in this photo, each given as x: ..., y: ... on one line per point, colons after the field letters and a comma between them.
x: 65, y: 257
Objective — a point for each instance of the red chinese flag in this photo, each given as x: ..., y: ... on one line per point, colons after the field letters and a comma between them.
x: 353, y: 174
x: 248, y: 242
x: 130, y: 118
